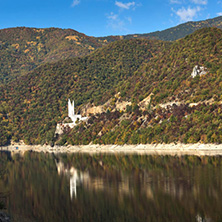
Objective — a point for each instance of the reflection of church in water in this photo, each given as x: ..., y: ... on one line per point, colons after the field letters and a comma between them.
x: 76, y: 177
x: 75, y: 180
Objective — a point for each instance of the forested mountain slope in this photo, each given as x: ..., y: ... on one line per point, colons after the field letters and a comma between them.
x: 168, y: 74
x: 22, y: 49
x: 135, y: 70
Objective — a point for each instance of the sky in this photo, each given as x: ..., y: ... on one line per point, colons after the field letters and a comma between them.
x: 106, y: 17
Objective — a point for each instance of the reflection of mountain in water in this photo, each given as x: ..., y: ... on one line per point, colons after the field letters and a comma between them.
x: 144, y: 182
x: 103, y: 189
x: 177, y: 185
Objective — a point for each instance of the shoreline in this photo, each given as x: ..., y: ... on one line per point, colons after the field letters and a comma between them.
x: 197, y: 149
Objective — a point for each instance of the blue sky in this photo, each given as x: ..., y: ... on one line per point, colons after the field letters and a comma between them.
x: 106, y: 17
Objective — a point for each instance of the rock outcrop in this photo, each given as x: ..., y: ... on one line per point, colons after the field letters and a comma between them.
x: 198, y: 70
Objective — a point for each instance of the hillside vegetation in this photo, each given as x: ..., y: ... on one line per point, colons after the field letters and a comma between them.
x: 134, y: 70
x: 168, y: 74
x: 23, y: 49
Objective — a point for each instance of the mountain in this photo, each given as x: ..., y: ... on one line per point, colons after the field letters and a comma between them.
x: 23, y: 49
x: 165, y: 103
x: 173, y: 33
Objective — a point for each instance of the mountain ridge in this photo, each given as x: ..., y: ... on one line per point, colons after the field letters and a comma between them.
x: 173, y: 33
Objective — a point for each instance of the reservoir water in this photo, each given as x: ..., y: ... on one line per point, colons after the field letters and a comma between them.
x: 104, y: 187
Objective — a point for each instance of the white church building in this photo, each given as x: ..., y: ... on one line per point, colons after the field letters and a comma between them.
x: 71, y: 114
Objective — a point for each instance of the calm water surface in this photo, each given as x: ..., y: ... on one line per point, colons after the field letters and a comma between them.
x: 99, y: 188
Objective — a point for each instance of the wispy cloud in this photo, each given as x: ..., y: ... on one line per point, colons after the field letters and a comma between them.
x: 219, y: 13
x: 125, y: 5
x: 112, y: 16
x: 115, y: 23
x: 118, y: 23
x: 121, y: 19
x: 175, y: 2
x: 187, y: 14
x: 75, y: 2
x: 200, y: 2
x: 129, y: 19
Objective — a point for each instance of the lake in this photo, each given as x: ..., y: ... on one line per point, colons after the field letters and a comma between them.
x: 104, y: 187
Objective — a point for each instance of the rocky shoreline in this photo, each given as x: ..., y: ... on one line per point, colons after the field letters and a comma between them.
x: 159, y: 149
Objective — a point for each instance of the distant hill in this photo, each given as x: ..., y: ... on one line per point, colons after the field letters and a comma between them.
x: 127, y: 70
x: 23, y: 49
x: 173, y: 33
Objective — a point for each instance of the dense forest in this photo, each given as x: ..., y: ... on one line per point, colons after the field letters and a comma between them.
x: 134, y: 70
x: 31, y: 111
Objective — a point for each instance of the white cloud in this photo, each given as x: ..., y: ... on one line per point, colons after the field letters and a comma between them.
x: 187, y: 14
x: 200, y: 2
x: 75, y: 2
x: 219, y: 13
x: 125, y: 5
